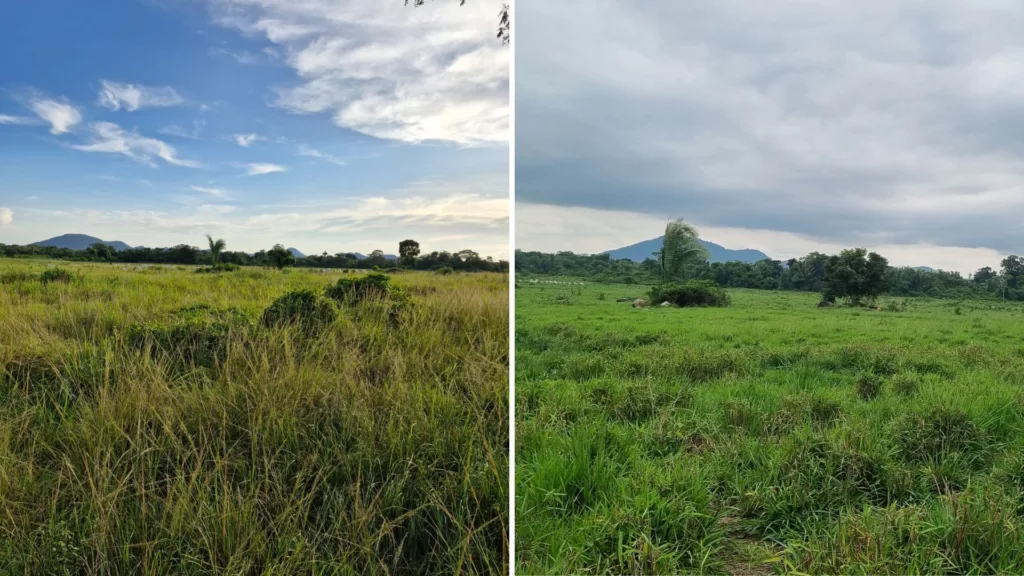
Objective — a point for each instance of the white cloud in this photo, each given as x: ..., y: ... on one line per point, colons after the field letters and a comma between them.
x: 60, y: 114
x: 441, y: 214
x: 111, y: 138
x: 218, y: 192
x: 32, y: 198
x: 314, y: 153
x: 246, y: 140
x: 15, y: 120
x: 6, y: 216
x: 258, y: 169
x: 132, y: 97
x: 431, y: 73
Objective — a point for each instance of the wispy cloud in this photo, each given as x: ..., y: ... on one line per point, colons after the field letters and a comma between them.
x: 259, y: 168
x: 32, y: 198
x: 246, y: 140
x: 131, y: 97
x: 59, y: 114
x: 218, y: 192
x: 6, y: 216
x: 314, y: 153
x: 16, y: 120
x: 111, y: 138
x: 180, y: 132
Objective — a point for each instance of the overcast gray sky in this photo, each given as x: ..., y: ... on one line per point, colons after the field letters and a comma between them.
x: 782, y: 126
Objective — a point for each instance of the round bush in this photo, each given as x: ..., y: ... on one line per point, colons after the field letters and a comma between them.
x: 691, y: 293
x: 57, y: 275
x: 303, y: 308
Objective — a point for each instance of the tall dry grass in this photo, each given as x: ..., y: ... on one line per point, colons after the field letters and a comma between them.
x: 373, y: 446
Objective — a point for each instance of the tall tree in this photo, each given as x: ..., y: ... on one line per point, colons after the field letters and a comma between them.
x: 680, y: 250
x: 408, y: 250
x: 280, y: 257
x: 101, y: 251
x: 856, y: 275
x: 1013, y: 270
x: 216, y: 247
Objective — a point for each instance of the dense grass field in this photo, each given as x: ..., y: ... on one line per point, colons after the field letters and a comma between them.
x: 769, y: 436
x: 151, y: 424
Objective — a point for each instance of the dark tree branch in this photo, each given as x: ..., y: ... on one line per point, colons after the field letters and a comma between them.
x: 504, y: 22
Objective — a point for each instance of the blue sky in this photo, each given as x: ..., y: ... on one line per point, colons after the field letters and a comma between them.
x: 323, y: 125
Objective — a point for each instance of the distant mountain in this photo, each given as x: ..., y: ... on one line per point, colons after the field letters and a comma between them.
x: 296, y: 253
x: 642, y: 250
x: 80, y: 242
x: 364, y: 256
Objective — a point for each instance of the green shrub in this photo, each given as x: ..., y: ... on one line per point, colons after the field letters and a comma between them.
x: 690, y: 293
x: 444, y: 270
x: 351, y: 290
x: 198, y: 334
x: 303, y: 308
x: 375, y: 289
x: 57, y: 275
x: 219, y: 267
x: 16, y: 277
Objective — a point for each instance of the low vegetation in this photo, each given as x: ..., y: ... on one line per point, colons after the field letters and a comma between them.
x: 217, y: 258
x: 806, y: 274
x: 767, y: 436
x: 158, y: 421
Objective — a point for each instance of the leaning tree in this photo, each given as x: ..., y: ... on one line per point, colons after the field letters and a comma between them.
x: 681, y: 250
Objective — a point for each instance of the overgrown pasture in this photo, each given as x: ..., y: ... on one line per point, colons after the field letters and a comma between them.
x: 768, y: 436
x: 154, y: 420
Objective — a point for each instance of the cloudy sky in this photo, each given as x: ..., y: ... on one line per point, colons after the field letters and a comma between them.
x: 319, y: 124
x: 782, y: 126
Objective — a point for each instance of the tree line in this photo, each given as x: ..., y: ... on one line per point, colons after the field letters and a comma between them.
x: 809, y: 273
x: 409, y: 257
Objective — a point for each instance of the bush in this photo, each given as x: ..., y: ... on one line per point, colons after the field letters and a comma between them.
x: 197, y: 334
x: 303, y: 308
x: 57, y: 275
x: 16, y: 277
x: 691, y: 293
x: 220, y: 267
x: 444, y: 270
x: 352, y: 290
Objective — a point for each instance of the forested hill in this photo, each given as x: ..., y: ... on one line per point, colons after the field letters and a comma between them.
x: 642, y: 250
x: 806, y: 274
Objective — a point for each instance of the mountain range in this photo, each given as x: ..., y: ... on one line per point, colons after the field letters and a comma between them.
x: 716, y: 253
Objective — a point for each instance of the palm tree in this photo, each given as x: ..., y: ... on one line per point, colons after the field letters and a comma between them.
x: 680, y: 249
x: 215, y: 248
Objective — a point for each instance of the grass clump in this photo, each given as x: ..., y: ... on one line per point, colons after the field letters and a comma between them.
x: 192, y: 336
x: 59, y: 275
x: 304, y: 309
x: 868, y: 386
